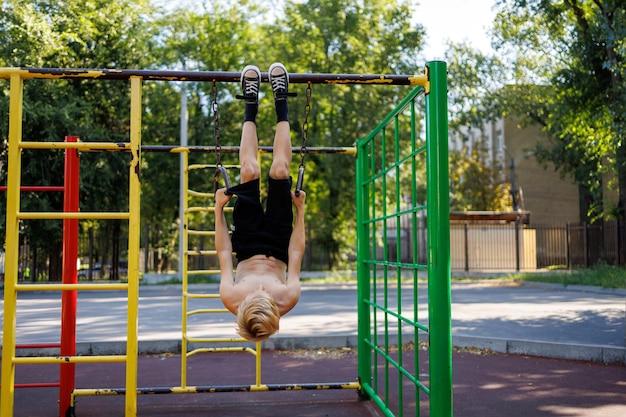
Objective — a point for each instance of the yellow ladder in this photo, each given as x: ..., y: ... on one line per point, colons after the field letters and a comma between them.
x: 187, y: 295
x: 14, y: 215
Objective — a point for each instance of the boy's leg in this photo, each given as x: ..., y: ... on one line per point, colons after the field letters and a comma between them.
x: 248, y: 150
x: 279, y: 79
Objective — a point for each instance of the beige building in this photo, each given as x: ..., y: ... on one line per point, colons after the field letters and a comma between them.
x: 549, y: 198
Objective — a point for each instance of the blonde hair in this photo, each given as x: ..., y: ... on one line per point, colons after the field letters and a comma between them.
x: 257, y: 317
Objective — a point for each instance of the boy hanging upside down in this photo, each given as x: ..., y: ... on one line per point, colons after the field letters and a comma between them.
x: 268, y: 244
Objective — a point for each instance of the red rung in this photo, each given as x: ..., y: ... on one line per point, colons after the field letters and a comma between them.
x: 37, y: 188
x: 39, y: 385
x: 38, y: 346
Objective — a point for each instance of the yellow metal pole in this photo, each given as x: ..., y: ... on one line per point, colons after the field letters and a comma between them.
x: 12, y: 247
x: 132, y: 348
x: 258, y: 364
x: 183, y: 239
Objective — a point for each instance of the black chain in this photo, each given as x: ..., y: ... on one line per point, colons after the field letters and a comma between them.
x: 305, y: 124
x: 217, y: 134
x: 216, y: 124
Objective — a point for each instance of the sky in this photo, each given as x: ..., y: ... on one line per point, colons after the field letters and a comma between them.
x: 456, y: 20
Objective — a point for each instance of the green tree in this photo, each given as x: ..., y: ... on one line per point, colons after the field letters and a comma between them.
x: 568, y: 67
x: 75, y: 34
x: 474, y: 82
x: 323, y: 36
x: 217, y: 37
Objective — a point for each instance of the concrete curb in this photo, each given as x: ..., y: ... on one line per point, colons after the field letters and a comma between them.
x: 592, y: 353
x: 576, y: 288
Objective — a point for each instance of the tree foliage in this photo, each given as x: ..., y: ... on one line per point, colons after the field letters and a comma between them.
x: 322, y: 36
x: 568, y: 66
x: 74, y: 34
x: 475, y: 80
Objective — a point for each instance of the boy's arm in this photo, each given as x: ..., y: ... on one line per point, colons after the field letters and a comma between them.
x: 296, y: 249
x: 224, y: 248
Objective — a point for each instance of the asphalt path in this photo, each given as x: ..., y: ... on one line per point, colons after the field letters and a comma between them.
x: 488, y: 316
x: 484, y: 313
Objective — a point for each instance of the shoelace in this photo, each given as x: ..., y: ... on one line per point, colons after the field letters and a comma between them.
x: 279, y: 82
x: 251, y: 87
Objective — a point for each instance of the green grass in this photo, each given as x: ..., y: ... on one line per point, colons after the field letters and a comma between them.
x: 605, y: 276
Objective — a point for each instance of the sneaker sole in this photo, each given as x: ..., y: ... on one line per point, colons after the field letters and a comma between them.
x: 248, y: 68
x: 278, y: 65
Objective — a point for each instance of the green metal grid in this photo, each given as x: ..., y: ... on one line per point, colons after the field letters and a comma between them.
x: 403, y: 178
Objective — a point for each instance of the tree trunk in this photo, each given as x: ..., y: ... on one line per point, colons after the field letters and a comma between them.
x: 620, y: 160
x: 55, y: 268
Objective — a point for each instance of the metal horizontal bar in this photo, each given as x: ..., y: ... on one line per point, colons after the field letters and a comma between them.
x: 200, y: 194
x: 204, y: 272
x: 69, y: 359
x: 209, y: 166
x: 72, y: 215
x: 233, y: 77
x: 38, y: 346
x: 125, y: 147
x: 38, y: 385
x: 223, y: 388
x: 37, y: 188
x: 227, y: 209
x: 200, y: 252
x: 81, y: 146
x: 223, y: 349
x: 337, y: 150
x: 200, y: 209
x: 70, y: 287
x: 201, y: 232
x: 208, y: 311
x: 191, y: 295
x: 215, y: 339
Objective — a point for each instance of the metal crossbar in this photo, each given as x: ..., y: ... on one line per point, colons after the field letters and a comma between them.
x: 208, y: 76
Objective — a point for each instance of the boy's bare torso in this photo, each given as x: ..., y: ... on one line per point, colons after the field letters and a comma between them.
x: 262, y: 271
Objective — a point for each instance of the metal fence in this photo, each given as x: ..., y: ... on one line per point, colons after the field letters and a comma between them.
x: 581, y: 244
x: 522, y: 247
x: 474, y: 247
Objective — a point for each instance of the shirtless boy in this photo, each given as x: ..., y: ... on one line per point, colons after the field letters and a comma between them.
x: 268, y: 244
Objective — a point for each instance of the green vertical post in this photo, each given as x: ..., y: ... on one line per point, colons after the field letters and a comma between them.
x: 363, y: 268
x: 438, y: 226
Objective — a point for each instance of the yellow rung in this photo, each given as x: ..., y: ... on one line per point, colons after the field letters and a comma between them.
x: 207, y: 311
x: 223, y: 349
x: 190, y: 295
x: 204, y: 272
x: 200, y: 209
x: 201, y: 252
x: 73, y: 215
x: 200, y: 194
x: 201, y: 232
x: 69, y: 359
x: 69, y: 287
x: 81, y: 146
x: 216, y: 340
x: 210, y: 166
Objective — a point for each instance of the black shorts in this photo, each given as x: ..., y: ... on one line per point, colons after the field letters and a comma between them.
x: 259, y: 232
